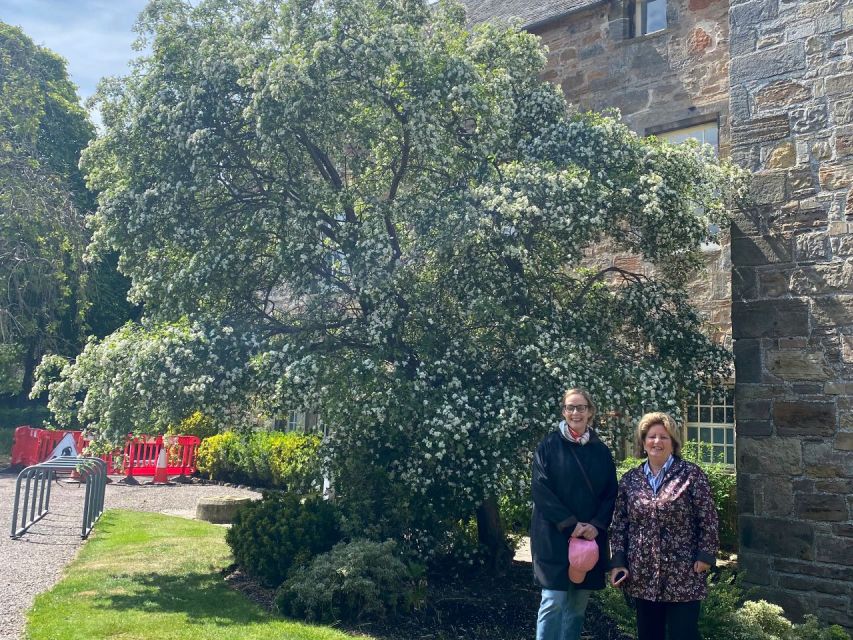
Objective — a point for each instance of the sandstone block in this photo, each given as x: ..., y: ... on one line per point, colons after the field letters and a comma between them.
x: 821, y: 507
x: 764, y: 535
x: 783, y: 156
x: 806, y: 119
x: 220, y: 509
x: 782, y: 93
x: 836, y: 388
x: 752, y: 13
x: 753, y: 428
x: 777, y: 497
x: 801, y: 418
x: 828, y: 571
x: 767, y: 63
x: 773, y: 284
x: 844, y: 141
x: 840, y: 85
x: 763, y: 129
x: 798, y: 365
x: 771, y: 456
x: 823, y: 279
x: 822, y: 461
x: 744, y: 284
x: 747, y: 365
x: 760, y: 250
x: 812, y: 246
x: 842, y: 111
x: 842, y: 246
x: 769, y: 319
x: 699, y: 41
x: 833, y: 311
x: 837, y: 550
x: 803, y: 583
x: 834, y: 176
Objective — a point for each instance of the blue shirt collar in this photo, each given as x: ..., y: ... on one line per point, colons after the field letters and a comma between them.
x: 657, y: 480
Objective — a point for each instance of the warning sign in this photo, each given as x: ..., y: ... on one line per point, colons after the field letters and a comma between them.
x: 65, y: 448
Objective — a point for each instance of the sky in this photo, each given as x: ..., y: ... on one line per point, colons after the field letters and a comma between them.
x: 94, y: 36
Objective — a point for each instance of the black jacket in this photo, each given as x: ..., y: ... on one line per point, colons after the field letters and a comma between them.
x: 561, y: 499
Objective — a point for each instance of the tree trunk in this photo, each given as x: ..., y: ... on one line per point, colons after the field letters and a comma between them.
x: 27, y: 379
x: 490, y: 533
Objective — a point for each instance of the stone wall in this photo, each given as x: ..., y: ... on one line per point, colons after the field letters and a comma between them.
x: 670, y: 79
x: 792, y: 123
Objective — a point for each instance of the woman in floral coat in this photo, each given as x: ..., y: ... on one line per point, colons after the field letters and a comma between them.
x: 664, y: 535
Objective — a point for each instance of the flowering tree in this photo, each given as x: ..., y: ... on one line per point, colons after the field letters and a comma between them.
x: 367, y: 208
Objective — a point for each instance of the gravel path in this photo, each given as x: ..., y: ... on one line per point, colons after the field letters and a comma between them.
x: 34, y: 563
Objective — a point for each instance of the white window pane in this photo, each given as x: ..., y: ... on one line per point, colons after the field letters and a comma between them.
x: 655, y: 16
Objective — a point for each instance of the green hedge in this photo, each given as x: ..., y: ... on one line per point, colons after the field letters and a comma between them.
x: 355, y: 581
x: 272, y: 537
x: 268, y: 459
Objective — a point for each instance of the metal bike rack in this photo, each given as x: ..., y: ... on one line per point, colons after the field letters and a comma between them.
x: 36, y: 480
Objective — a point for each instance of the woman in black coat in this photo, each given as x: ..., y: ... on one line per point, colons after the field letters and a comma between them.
x: 574, y: 492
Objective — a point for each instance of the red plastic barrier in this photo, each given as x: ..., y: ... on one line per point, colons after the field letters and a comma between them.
x: 32, y: 446
x: 137, y: 458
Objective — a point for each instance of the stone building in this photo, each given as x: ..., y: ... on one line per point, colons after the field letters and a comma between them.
x: 770, y: 83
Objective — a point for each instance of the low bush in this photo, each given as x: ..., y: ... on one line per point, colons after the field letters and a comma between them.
x: 267, y: 459
x: 355, y: 581
x: 726, y: 616
x: 196, y: 424
x: 271, y: 537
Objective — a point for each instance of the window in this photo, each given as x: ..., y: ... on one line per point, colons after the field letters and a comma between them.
x: 296, y: 421
x: 706, y: 133
x: 304, y: 422
x: 647, y: 16
x: 711, y: 425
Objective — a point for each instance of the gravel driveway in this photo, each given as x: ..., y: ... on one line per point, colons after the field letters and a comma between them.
x: 34, y: 563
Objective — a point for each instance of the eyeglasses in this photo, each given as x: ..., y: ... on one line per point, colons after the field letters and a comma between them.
x: 580, y: 408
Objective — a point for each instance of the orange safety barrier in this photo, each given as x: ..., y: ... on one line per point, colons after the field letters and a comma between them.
x: 137, y: 458
x: 32, y: 446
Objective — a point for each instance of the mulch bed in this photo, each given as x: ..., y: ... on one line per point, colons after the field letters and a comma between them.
x: 477, y: 608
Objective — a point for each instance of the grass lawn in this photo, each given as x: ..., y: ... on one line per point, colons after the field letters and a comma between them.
x: 144, y: 575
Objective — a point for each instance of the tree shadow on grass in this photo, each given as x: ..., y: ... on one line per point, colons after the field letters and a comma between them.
x: 201, y: 597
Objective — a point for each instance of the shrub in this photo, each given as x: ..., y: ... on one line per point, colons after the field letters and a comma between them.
x: 273, y: 536
x: 265, y: 459
x: 355, y: 581
x: 516, y: 509
x: 218, y: 457
x: 196, y: 424
x: 725, y: 616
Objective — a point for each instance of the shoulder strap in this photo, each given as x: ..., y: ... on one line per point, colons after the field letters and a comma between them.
x: 583, y: 471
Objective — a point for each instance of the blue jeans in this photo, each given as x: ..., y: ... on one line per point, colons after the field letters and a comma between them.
x: 561, y: 614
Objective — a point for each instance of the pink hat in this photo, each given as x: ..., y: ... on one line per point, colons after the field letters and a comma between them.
x: 583, y: 556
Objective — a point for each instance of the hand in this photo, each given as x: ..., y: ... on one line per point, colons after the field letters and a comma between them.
x: 618, y: 576
x: 585, y: 530
x: 700, y: 567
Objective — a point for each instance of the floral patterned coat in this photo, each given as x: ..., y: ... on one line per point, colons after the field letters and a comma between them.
x: 659, y: 537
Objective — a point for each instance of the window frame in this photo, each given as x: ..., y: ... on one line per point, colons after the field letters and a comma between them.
x: 727, y: 425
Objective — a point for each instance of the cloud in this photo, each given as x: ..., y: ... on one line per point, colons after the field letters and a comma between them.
x: 94, y: 36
